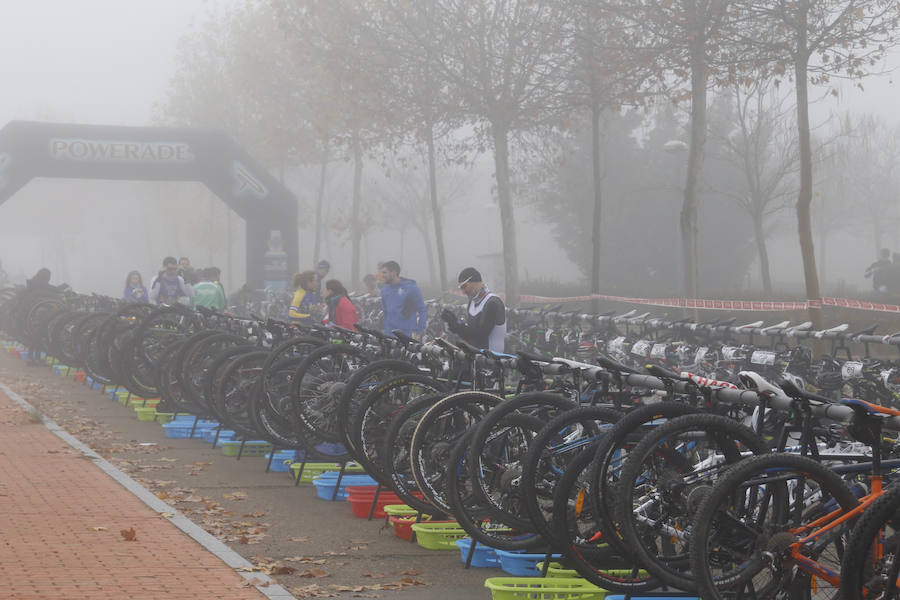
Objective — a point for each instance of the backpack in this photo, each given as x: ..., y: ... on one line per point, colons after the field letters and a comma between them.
x: 169, y: 289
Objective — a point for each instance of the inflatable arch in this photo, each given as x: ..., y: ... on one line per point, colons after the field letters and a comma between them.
x: 31, y: 149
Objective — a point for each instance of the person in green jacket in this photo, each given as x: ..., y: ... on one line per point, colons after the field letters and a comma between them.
x: 207, y: 292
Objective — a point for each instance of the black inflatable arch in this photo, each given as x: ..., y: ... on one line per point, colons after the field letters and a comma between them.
x: 31, y: 149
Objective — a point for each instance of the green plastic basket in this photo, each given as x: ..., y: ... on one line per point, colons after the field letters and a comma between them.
x: 145, y: 414
x: 438, y: 536
x: 538, y: 588
x: 557, y: 570
x: 253, y: 448
x: 400, y: 510
x: 314, y: 469
x: 164, y: 417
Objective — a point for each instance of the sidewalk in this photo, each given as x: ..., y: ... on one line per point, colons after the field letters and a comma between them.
x: 60, y: 529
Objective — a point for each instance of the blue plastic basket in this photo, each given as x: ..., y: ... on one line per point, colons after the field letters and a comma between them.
x: 208, y: 434
x: 484, y: 556
x: 326, y: 481
x: 522, y: 564
x: 177, y: 429
x: 278, y: 461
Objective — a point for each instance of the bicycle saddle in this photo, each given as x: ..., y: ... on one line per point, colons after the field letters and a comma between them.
x: 869, y: 408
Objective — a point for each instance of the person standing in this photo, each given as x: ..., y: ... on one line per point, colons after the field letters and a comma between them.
x: 341, y: 311
x: 305, y: 298
x: 401, y: 302
x: 134, y: 288
x: 169, y: 287
x: 485, y: 324
x: 207, y: 292
x: 322, y: 270
x: 879, y: 271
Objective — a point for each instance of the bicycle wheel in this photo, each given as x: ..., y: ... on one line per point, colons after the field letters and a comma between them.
x: 560, y: 440
x: 746, y: 531
x: 374, y: 413
x: 586, y: 548
x: 293, y: 348
x: 276, y: 428
x: 317, y: 387
x: 358, y: 386
x: 663, y: 481
x: 479, y: 517
x: 396, y: 457
x: 611, y: 453
x: 871, y: 563
x: 232, y: 396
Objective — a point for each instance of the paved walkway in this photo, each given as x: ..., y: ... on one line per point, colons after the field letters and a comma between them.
x: 61, y: 522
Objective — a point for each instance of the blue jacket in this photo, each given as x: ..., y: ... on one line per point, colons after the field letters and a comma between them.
x: 404, y: 307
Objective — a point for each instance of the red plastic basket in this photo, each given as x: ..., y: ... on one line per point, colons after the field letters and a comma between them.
x: 361, y: 503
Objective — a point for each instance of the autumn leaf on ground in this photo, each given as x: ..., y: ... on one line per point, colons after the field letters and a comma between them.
x: 129, y: 534
x: 281, y: 570
x: 255, y: 514
x: 306, y: 560
x: 256, y: 581
x: 330, y: 553
x: 235, y: 495
x: 162, y: 495
x: 312, y: 590
x: 98, y: 528
x: 168, y: 515
x: 313, y: 573
x: 299, y: 539
x: 409, y: 572
x: 166, y: 459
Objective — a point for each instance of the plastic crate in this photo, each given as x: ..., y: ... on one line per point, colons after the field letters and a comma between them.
x: 531, y: 588
x: 60, y: 369
x: 177, y: 429
x: 163, y: 417
x: 400, y: 510
x: 314, y: 469
x: 361, y: 502
x: 484, y: 556
x: 225, y: 435
x: 281, y: 461
x: 435, y: 535
x: 666, y: 597
x: 522, y: 564
x: 146, y: 414
x: 251, y: 448
x: 326, y: 481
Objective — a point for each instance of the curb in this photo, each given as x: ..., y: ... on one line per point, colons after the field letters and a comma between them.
x: 223, y: 552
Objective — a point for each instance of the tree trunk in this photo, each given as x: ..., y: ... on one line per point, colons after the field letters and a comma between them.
x: 435, y: 209
x: 320, y: 199
x: 507, y: 220
x: 689, y: 229
x: 598, y: 204
x: 355, y: 232
x: 429, y: 254
x: 804, y: 198
x: 763, y: 252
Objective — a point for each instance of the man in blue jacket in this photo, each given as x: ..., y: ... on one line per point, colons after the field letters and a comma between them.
x: 401, y: 302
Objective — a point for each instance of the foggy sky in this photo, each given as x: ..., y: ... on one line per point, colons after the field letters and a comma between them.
x: 109, y: 62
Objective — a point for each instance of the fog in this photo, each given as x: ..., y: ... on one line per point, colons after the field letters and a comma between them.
x: 118, y: 63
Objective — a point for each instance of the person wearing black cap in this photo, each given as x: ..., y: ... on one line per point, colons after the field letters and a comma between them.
x: 485, y: 324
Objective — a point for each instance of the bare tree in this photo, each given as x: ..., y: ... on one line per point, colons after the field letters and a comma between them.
x: 498, y: 60
x: 763, y: 146
x: 815, y: 40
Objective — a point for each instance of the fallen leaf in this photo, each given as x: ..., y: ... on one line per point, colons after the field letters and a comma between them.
x: 299, y: 539
x: 313, y: 573
x: 255, y: 514
x: 372, y: 575
x: 162, y: 495
x: 191, y: 498
x: 98, y: 529
x: 168, y: 515
x: 165, y: 459
x: 235, y: 496
x: 306, y: 560
x: 129, y: 534
x: 330, y: 553
x: 281, y: 570
x: 255, y: 582
x: 244, y: 539
x: 409, y: 572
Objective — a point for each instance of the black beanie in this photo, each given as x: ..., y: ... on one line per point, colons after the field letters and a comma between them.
x: 469, y: 274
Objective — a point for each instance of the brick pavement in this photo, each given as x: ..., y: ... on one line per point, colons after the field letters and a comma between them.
x: 60, y: 529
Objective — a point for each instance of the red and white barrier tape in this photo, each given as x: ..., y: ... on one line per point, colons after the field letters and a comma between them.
x: 701, y: 304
